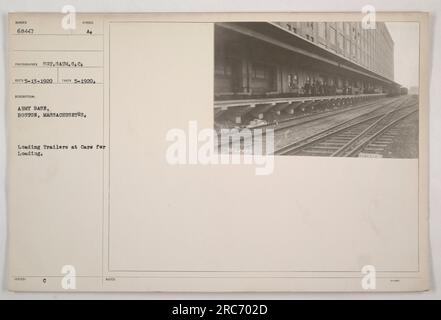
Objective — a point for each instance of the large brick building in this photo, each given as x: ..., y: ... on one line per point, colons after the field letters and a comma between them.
x: 371, y: 48
x: 276, y: 59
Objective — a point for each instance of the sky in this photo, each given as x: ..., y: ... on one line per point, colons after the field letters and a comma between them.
x: 406, y: 52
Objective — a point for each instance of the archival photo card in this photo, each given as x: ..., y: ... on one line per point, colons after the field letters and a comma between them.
x: 218, y: 152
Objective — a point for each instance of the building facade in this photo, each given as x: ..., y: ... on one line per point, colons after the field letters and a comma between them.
x: 370, y: 48
x: 277, y: 59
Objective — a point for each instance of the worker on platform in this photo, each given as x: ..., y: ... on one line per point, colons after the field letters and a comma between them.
x: 307, y: 88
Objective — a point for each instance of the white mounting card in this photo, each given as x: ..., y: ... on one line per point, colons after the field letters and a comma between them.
x: 118, y: 179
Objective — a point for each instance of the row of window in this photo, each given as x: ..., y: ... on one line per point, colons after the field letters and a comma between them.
x: 260, y: 71
x: 352, y: 41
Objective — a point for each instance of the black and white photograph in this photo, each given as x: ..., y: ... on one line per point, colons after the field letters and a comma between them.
x: 328, y: 89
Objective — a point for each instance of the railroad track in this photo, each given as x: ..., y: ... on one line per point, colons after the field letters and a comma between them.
x: 326, y: 114
x: 308, y: 118
x: 377, y: 143
x: 351, y: 137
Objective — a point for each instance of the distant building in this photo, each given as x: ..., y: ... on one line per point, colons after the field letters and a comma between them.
x: 414, y: 90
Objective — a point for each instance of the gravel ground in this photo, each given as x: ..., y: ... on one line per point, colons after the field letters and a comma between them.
x: 405, y: 145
